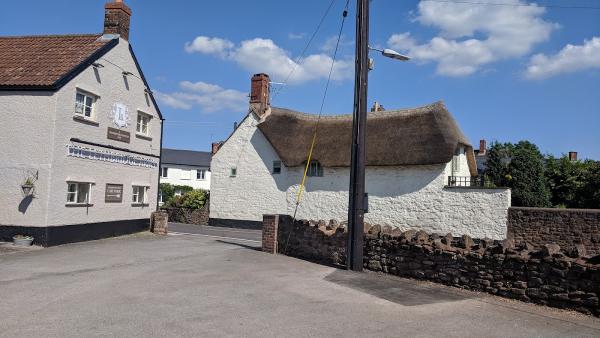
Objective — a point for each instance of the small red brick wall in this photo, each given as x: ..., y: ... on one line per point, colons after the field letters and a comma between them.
x: 269, y: 233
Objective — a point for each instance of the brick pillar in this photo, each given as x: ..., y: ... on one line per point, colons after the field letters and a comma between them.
x: 269, y: 233
x: 160, y: 223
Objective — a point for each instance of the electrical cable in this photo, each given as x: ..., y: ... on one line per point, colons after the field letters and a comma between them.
x: 300, y: 58
x: 314, y: 138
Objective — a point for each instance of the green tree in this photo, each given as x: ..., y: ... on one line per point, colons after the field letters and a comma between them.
x: 520, y: 167
x: 590, y: 192
x: 526, y: 168
x: 566, y: 179
x: 499, y: 156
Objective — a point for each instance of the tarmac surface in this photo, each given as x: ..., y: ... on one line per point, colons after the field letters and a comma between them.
x: 199, y: 286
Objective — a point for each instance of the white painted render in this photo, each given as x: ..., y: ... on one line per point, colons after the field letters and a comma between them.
x: 186, y: 175
x: 407, y: 197
x: 37, y: 127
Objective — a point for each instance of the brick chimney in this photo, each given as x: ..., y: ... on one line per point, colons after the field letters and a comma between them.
x: 116, y: 18
x: 259, y: 93
x: 572, y: 156
x: 482, y: 147
x: 215, y: 147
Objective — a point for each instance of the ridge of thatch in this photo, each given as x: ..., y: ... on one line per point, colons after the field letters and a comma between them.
x: 415, y: 136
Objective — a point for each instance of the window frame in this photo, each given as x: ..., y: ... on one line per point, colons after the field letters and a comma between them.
x: 233, y: 172
x: 86, y: 95
x: 276, y: 169
x: 77, y: 193
x: 203, y: 171
x: 162, y: 172
x: 145, y: 117
x: 315, y: 169
x: 135, y: 196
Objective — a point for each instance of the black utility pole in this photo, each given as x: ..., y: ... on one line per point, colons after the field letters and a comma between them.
x: 357, y: 200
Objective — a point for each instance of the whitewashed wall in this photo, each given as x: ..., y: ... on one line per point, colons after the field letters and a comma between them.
x: 254, y: 191
x: 25, y: 148
x: 186, y: 175
x: 413, y: 197
x: 409, y: 197
x: 41, y: 127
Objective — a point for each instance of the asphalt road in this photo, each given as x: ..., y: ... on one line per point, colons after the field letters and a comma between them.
x: 205, y: 230
x: 199, y: 286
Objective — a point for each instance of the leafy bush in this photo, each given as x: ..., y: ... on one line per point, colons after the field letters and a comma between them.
x: 168, y: 191
x: 194, y: 199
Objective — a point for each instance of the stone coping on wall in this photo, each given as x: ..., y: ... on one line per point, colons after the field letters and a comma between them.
x: 547, y: 275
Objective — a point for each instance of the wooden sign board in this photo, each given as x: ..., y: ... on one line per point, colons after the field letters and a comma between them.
x: 114, y: 193
x: 118, y: 135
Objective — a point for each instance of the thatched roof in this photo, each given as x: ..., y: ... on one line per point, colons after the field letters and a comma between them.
x: 417, y: 136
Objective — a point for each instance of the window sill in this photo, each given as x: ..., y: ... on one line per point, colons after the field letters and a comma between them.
x: 140, y: 204
x: 85, y: 120
x: 143, y: 137
x: 79, y: 205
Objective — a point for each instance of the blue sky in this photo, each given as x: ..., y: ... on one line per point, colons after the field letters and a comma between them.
x: 507, y: 73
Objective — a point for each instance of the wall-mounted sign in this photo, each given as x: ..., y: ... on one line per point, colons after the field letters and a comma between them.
x: 120, y: 115
x: 108, y: 156
x: 118, y: 135
x: 114, y: 193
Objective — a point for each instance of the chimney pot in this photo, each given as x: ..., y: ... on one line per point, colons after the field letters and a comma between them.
x: 117, y: 16
x: 572, y: 155
x: 482, y: 147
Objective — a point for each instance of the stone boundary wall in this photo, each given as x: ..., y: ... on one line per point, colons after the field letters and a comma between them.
x: 548, y: 275
x: 565, y: 227
x: 189, y: 216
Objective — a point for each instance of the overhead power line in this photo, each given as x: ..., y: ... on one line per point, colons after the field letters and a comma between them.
x: 301, y: 56
x: 511, y: 4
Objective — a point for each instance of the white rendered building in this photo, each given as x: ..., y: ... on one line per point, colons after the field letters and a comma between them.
x: 185, y: 167
x: 420, y: 170
x: 80, y: 137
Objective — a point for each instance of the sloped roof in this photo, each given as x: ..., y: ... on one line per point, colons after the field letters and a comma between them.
x: 46, y: 61
x: 186, y: 157
x: 417, y: 136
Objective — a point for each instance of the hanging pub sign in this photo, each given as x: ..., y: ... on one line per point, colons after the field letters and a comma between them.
x: 114, y: 193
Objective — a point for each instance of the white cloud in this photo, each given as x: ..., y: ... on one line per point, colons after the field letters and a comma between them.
x: 569, y: 59
x: 329, y: 44
x: 473, y: 36
x: 208, y: 97
x: 264, y: 56
x: 171, y: 101
x: 206, y: 45
x: 296, y: 36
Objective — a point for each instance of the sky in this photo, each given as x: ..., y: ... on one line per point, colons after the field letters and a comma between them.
x: 508, y: 71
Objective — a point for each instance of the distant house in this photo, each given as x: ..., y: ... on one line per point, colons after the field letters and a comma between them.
x: 185, y: 167
x: 80, y: 135
x: 420, y: 170
x: 481, y: 157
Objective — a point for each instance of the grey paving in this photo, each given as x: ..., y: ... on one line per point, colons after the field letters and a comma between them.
x: 198, y: 286
x: 249, y: 234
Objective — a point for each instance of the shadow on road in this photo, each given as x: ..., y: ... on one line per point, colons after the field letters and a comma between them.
x: 397, y: 290
x: 255, y: 247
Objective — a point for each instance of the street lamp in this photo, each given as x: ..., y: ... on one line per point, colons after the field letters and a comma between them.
x: 357, y: 203
x: 392, y: 54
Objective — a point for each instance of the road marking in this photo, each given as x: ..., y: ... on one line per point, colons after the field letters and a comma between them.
x: 174, y: 233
